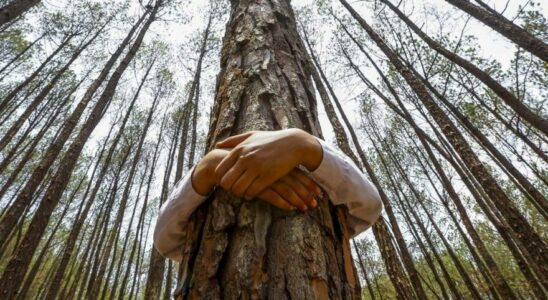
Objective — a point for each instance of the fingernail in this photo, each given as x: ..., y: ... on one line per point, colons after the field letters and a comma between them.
x: 314, y: 202
x: 292, y: 208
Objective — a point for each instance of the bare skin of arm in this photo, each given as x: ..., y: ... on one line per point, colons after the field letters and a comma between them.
x: 292, y: 191
x: 260, y: 159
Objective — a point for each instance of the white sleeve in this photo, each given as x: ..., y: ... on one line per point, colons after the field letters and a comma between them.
x: 346, y: 184
x: 174, y: 213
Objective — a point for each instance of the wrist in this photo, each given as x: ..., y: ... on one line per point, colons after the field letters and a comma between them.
x: 310, y: 150
x: 202, y: 177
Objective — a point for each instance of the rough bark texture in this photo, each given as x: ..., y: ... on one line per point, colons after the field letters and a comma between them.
x: 251, y: 250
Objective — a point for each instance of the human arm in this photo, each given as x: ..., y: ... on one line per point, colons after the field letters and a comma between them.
x: 261, y: 157
x: 291, y: 192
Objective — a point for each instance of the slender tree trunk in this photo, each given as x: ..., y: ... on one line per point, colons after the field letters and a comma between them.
x: 9, y: 97
x: 503, y: 229
x: 16, y: 57
x: 140, y: 225
x: 156, y: 267
x: 10, y: 133
x: 77, y: 226
x: 505, y: 27
x: 534, y: 195
x: 94, y: 291
x: 203, y: 51
x: 15, y: 9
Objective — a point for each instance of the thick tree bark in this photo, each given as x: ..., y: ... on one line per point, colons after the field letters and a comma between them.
x: 524, y: 232
x: 505, y: 27
x: 535, y: 119
x: 15, y: 9
x: 250, y: 249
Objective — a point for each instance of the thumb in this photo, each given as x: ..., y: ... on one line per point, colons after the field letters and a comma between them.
x: 234, y: 140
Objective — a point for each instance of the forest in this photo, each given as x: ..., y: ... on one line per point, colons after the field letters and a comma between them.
x: 106, y: 104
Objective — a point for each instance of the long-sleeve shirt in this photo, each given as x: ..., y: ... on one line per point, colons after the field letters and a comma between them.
x: 344, y: 183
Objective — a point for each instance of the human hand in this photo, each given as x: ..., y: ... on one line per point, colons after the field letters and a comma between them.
x: 261, y: 158
x: 295, y: 190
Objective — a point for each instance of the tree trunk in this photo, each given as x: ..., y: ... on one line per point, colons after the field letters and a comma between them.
x: 10, y: 133
x: 16, y: 57
x: 505, y: 27
x: 7, y: 99
x: 77, y: 226
x: 265, y: 85
x: 15, y: 9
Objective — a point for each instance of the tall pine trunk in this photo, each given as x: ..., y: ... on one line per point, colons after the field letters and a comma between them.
x: 250, y: 249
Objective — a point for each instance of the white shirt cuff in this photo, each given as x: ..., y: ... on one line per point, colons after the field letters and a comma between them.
x: 173, y: 215
x: 346, y: 185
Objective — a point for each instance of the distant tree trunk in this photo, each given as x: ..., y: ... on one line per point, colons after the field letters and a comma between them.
x: 18, y: 263
x: 77, y: 226
x: 243, y: 249
x: 94, y: 289
x: 140, y: 226
x: 51, y: 153
x: 505, y: 27
x: 364, y: 270
x: 16, y: 57
x: 197, y: 77
x: 38, y: 263
x: 535, y: 119
x: 503, y: 229
x: 7, y: 99
x: 49, y: 111
x: 10, y: 133
x: 524, y: 232
x: 15, y: 9
x: 156, y: 267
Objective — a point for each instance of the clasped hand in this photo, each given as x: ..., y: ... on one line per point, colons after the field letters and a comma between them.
x: 264, y: 165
